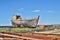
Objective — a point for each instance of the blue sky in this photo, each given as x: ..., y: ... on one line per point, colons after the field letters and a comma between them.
x: 49, y: 10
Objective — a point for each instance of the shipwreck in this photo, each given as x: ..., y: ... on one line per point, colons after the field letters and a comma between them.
x: 17, y: 21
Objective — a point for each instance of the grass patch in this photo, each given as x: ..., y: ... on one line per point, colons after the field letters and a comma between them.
x: 13, y: 30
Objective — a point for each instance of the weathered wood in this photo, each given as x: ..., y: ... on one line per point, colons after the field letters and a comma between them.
x: 25, y: 23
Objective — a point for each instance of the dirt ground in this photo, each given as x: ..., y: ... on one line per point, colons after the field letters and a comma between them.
x: 30, y: 36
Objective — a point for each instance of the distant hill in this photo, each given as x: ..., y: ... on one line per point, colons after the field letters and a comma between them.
x: 5, y: 26
x: 58, y: 25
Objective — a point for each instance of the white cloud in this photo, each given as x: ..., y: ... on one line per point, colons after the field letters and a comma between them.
x: 21, y: 9
x: 36, y: 11
x: 50, y: 11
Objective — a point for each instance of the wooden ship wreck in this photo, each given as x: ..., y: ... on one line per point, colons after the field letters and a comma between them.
x: 17, y: 21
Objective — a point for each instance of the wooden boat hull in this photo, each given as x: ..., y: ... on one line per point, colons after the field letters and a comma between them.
x: 26, y: 23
